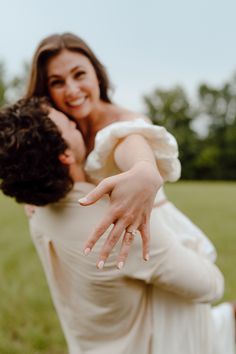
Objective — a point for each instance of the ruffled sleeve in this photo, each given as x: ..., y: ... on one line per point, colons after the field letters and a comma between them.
x: 100, y: 162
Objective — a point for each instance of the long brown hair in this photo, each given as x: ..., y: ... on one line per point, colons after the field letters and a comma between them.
x: 52, y: 46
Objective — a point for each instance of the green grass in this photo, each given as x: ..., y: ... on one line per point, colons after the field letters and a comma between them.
x: 211, y: 205
x: 28, y: 323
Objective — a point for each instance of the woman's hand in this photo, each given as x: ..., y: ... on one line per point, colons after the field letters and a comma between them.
x: 132, y: 196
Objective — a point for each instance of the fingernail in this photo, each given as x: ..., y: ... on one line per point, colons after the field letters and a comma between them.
x: 100, y: 265
x: 83, y: 200
x: 147, y: 257
x: 87, y: 251
x: 120, y: 265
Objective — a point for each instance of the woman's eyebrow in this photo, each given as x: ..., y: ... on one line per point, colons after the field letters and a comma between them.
x: 71, y: 71
x: 77, y: 67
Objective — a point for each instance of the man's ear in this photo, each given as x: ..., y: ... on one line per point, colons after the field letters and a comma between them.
x: 67, y: 158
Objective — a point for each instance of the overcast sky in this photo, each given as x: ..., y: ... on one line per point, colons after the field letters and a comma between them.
x: 143, y: 43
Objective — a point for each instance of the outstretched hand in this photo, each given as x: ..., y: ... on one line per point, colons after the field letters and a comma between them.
x: 132, y: 194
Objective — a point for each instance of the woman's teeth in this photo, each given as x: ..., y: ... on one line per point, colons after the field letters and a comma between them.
x: 76, y: 102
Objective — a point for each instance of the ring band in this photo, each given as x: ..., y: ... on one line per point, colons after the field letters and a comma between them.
x: 133, y: 232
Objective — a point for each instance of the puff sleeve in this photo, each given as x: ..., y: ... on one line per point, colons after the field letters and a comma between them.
x: 100, y: 162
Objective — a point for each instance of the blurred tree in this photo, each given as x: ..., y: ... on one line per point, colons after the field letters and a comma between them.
x: 171, y: 108
x: 3, y: 84
x: 17, y: 85
x: 219, y: 105
x: 13, y: 89
x: 211, y: 155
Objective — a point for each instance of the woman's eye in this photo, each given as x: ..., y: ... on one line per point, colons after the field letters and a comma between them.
x: 79, y: 74
x: 55, y: 83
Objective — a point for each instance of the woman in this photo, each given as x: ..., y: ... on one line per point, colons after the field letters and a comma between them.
x: 66, y: 70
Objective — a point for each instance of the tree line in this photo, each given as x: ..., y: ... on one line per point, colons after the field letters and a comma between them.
x: 205, y: 154
x: 205, y: 128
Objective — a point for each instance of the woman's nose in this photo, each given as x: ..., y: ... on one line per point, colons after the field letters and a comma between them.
x: 72, y: 89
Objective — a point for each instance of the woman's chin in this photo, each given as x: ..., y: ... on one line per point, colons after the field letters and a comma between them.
x: 79, y: 112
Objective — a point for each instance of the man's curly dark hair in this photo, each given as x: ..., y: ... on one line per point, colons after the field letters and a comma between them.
x: 30, y: 144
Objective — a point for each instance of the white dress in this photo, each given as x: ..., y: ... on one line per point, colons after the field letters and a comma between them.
x: 156, y: 307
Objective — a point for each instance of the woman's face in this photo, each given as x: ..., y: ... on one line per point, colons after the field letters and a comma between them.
x: 72, y: 84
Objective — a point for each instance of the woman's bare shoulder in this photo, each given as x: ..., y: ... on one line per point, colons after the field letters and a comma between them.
x: 127, y: 115
x: 113, y: 113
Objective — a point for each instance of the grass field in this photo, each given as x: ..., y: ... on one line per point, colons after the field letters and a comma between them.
x: 28, y: 323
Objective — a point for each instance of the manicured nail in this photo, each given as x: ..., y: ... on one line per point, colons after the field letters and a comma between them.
x: 147, y: 257
x: 100, y: 265
x: 83, y: 200
x: 120, y: 265
x: 87, y: 251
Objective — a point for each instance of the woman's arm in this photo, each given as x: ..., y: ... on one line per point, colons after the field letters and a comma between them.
x: 174, y: 267
x: 132, y: 195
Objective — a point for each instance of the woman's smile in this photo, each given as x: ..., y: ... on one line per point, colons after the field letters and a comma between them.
x: 76, y: 102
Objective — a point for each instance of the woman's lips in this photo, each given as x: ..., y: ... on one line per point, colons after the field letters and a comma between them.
x: 77, y: 102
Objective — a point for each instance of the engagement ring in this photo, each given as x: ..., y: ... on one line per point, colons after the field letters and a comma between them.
x: 133, y: 232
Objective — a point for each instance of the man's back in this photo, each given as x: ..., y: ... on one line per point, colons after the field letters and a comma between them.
x: 146, y: 308
x: 100, y: 311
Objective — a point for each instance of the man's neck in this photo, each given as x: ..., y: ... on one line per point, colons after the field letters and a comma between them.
x: 77, y: 173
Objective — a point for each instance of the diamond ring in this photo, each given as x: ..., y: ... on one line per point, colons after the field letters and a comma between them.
x: 133, y: 232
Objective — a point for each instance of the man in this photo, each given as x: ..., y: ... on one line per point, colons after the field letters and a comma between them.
x: 161, y: 306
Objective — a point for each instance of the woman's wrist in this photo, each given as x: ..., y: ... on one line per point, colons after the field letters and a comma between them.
x: 149, y: 161
x: 148, y: 170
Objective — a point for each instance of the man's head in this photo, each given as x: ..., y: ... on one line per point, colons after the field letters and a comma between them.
x: 37, y: 146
